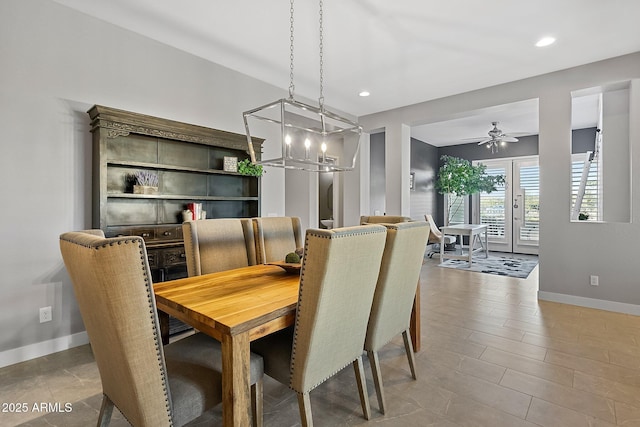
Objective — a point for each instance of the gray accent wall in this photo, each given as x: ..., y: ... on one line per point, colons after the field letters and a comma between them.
x: 377, y: 179
x: 424, y: 164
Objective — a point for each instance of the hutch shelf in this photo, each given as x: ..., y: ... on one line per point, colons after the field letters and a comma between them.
x: 188, y: 161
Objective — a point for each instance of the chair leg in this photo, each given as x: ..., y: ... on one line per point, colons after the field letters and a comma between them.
x: 304, y: 403
x: 374, y: 360
x: 256, y: 402
x: 408, y: 347
x: 105, y: 411
x: 362, y: 387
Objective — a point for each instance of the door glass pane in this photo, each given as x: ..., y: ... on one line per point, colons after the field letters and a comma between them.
x: 492, y: 209
x: 530, y: 183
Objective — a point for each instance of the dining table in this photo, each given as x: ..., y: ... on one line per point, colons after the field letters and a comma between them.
x: 236, y: 307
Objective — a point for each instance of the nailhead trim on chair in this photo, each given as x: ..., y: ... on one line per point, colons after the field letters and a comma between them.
x: 148, y: 287
x: 326, y: 234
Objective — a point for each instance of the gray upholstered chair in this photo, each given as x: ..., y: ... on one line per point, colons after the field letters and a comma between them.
x: 213, y: 245
x: 276, y: 237
x: 383, y: 219
x: 337, y: 282
x: 150, y: 385
x: 395, y: 291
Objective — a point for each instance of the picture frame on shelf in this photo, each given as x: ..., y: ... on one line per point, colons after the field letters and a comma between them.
x: 230, y: 164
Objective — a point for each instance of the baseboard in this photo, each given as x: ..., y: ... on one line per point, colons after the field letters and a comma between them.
x: 32, y: 351
x: 618, y: 307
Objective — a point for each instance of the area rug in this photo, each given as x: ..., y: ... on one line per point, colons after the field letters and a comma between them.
x: 501, y: 266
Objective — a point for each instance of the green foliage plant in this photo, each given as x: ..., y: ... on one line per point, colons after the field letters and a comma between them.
x: 245, y: 167
x: 459, y: 177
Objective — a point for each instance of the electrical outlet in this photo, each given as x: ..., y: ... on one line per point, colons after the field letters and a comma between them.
x: 45, y: 314
x: 593, y: 280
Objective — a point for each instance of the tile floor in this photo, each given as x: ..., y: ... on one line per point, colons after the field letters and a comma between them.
x: 492, y: 355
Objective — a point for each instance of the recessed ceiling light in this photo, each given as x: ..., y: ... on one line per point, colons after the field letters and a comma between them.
x: 545, y: 41
x: 364, y: 93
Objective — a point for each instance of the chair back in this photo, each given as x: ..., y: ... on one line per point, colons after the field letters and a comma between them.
x: 213, y: 245
x: 337, y: 281
x: 275, y: 237
x: 383, y: 219
x: 435, y: 235
x: 112, y: 284
x: 397, y: 282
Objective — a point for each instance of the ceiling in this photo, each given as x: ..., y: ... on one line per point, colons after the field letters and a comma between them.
x: 403, y: 52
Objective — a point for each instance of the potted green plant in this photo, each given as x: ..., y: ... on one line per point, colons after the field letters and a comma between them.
x: 245, y: 167
x: 458, y: 177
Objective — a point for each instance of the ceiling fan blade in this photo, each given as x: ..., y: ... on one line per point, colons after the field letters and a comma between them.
x: 484, y: 141
x: 509, y: 139
x: 477, y: 138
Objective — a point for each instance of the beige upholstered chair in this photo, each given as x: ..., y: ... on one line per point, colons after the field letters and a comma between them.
x: 337, y: 282
x: 213, y: 245
x: 395, y: 291
x: 276, y: 237
x: 383, y: 219
x: 436, y: 236
x: 150, y: 385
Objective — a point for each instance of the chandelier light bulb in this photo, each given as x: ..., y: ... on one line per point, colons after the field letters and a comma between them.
x: 323, y: 147
x: 307, y: 144
x: 287, y: 141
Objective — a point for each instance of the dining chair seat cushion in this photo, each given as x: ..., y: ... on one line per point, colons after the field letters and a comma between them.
x: 193, y: 365
x: 276, y: 352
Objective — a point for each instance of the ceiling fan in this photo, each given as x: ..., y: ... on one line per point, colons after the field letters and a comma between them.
x: 497, y: 138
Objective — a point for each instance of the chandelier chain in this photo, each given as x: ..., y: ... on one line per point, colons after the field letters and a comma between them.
x: 321, y: 99
x: 291, y: 85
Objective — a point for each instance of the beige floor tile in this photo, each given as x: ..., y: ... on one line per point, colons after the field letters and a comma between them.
x: 529, y: 366
x: 627, y: 416
x: 549, y: 415
x: 594, y: 367
x: 569, y: 347
x: 577, y: 400
x: 467, y: 365
x: 511, y: 346
x: 630, y: 361
x: 490, y: 394
x: 467, y: 412
x: 604, y: 387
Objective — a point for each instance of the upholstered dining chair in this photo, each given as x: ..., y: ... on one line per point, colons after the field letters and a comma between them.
x: 213, y: 245
x: 395, y: 291
x: 151, y: 385
x: 383, y: 219
x: 275, y: 237
x: 337, y: 282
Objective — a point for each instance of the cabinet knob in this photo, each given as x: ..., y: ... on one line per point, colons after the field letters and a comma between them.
x: 145, y: 235
x: 166, y: 233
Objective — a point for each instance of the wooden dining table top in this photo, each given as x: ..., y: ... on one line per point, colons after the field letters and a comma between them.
x: 232, y: 301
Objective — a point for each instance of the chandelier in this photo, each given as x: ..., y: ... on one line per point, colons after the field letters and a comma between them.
x: 311, y: 138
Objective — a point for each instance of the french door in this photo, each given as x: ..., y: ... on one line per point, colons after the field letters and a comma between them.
x: 512, y: 212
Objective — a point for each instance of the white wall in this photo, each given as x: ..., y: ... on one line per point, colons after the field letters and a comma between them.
x: 56, y: 63
x: 569, y: 252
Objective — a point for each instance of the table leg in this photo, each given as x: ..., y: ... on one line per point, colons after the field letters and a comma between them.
x: 236, y: 387
x: 163, y: 318
x: 442, y: 240
x: 486, y: 243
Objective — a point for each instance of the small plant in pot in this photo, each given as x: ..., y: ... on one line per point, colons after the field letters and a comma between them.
x: 146, y: 182
x: 245, y: 167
